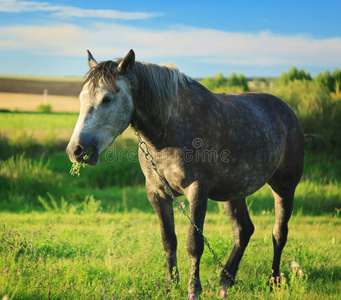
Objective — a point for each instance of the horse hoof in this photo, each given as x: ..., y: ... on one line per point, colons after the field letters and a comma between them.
x: 223, y: 294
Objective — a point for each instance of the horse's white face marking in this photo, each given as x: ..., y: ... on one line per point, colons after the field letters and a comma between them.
x: 103, y: 116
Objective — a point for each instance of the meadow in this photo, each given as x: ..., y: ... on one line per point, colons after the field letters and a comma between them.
x: 97, y: 237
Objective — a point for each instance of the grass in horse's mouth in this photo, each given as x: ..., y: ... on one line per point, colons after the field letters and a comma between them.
x: 75, y: 168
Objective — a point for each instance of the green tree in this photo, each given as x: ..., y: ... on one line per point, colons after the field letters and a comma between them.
x: 220, y: 84
x: 292, y: 75
x: 233, y: 80
x: 329, y: 80
x: 243, y: 82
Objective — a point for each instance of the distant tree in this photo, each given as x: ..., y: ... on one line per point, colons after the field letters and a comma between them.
x: 243, y: 82
x: 233, y: 80
x: 329, y: 80
x: 294, y: 74
x: 209, y: 83
x: 220, y: 80
x: 220, y: 84
x: 337, y: 75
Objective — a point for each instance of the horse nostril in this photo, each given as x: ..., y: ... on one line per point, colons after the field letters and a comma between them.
x: 78, y: 151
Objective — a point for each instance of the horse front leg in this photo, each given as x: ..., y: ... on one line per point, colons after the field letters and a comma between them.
x: 196, y: 194
x: 163, y: 206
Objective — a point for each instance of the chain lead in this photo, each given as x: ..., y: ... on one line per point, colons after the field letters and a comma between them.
x: 143, y: 146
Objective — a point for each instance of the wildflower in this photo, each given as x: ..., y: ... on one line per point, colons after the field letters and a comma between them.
x: 69, y: 288
x: 295, y: 265
x: 11, y: 248
x: 130, y: 291
x: 223, y: 294
x: 6, y: 270
x: 191, y: 297
x: 182, y: 203
x: 300, y: 273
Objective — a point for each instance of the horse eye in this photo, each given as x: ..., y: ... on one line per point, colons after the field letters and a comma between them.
x: 106, y: 100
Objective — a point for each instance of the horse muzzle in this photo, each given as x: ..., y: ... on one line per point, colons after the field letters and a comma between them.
x: 79, y: 153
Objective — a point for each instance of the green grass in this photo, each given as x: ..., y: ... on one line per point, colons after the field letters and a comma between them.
x: 88, y: 254
x: 90, y: 237
x: 37, y: 121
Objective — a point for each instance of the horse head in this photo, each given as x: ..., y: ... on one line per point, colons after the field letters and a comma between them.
x: 106, y: 108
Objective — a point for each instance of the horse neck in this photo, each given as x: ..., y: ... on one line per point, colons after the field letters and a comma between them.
x: 155, y: 108
x: 196, y: 104
x: 148, y: 125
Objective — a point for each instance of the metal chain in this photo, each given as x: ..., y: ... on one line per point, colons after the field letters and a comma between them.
x: 143, y: 146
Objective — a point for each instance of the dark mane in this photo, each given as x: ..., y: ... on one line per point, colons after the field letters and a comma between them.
x: 105, y: 70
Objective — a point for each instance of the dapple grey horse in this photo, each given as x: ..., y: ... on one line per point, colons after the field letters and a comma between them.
x: 205, y: 145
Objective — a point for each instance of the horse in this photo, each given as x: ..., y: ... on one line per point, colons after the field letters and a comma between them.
x: 222, y: 147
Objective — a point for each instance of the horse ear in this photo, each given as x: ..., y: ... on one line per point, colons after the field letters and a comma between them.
x: 91, y: 61
x: 127, y: 63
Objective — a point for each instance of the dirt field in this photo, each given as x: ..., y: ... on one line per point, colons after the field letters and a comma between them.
x: 37, y: 86
x: 29, y: 102
x: 25, y: 94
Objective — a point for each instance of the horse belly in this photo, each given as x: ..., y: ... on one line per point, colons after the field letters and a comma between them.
x: 240, y: 180
x: 223, y: 191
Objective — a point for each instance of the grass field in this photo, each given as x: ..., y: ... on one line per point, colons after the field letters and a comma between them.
x: 89, y: 254
x: 97, y: 237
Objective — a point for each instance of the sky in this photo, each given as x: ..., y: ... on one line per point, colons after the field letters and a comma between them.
x: 203, y: 38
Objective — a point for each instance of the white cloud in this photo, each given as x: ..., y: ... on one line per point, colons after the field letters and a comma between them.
x: 17, y: 6
x: 203, y: 45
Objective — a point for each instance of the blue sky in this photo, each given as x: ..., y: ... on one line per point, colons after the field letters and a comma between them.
x: 256, y: 38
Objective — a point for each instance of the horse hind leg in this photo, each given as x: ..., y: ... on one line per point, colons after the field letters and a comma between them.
x: 283, y: 185
x: 242, y: 230
x: 283, y: 210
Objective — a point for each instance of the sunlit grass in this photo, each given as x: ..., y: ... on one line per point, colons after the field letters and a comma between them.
x: 97, y: 236
x: 90, y: 254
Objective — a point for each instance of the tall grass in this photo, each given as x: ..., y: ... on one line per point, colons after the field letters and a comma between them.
x: 118, y: 183
x: 318, y: 110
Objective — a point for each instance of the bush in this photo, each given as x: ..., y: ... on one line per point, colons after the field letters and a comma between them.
x: 317, y: 109
x: 44, y: 108
x: 220, y: 84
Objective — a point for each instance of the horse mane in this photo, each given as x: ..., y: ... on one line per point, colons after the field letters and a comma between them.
x: 157, y: 85
x: 106, y: 71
